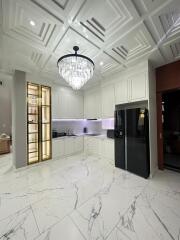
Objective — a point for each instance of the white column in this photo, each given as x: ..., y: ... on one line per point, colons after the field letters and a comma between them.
x: 19, y: 119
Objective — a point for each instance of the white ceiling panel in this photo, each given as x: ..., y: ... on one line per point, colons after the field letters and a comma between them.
x: 62, y: 10
x: 133, y: 46
x: 16, y: 18
x: 171, y: 50
x: 105, y: 64
x: 114, y: 33
x: 73, y: 38
x: 167, y: 21
x: 153, y: 5
x: 101, y: 20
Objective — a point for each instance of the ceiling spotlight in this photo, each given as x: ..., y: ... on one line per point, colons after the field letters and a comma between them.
x: 101, y: 63
x: 32, y: 23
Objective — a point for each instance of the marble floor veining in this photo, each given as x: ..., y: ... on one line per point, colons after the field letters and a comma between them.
x: 86, y: 198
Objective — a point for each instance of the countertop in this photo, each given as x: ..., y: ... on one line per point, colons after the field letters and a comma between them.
x: 101, y: 136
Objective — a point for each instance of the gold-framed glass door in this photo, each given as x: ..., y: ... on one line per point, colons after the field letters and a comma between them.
x: 33, y: 123
x: 39, y: 138
x: 46, y: 123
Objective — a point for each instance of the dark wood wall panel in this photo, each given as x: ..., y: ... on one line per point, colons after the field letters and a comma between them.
x: 168, y: 77
x: 160, y: 131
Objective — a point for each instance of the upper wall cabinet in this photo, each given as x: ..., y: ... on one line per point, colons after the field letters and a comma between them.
x: 131, y: 89
x: 121, y: 91
x: 138, y: 87
x: 108, y: 101
x: 66, y: 103
x: 92, y: 104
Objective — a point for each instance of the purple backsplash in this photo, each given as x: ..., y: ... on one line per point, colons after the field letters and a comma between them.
x: 77, y: 125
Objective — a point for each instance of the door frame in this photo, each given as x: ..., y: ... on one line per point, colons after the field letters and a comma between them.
x: 160, y: 131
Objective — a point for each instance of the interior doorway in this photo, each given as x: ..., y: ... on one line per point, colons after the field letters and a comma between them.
x: 171, y: 129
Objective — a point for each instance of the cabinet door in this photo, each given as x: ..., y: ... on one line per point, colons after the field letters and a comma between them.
x: 55, y: 104
x: 66, y: 104
x: 78, y: 144
x: 58, y: 148
x: 108, y: 101
x: 92, y: 104
x: 96, y: 100
x: 108, y: 149
x: 138, y: 87
x: 69, y: 146
x: 121, y: 91
x: 77, y: 105
x: 85, y: 145
x: 87, y: 106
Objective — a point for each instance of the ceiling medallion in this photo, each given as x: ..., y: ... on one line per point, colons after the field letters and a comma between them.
x: 75, y: 69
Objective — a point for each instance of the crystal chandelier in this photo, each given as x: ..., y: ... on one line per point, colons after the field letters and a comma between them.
x: 75, y: 69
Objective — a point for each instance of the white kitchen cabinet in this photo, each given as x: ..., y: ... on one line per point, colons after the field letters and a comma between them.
x: 78, y: 144
x: 138, y: 87
x: 92, y: 104
x: 107, y: 150
x: 69, y: 146
x: 100, y: 147
x: 108, y: 101
x: 121, y: 91
x: 55, y: 104
x: 88, y: 145
x: 131, y: 89
x: 88, y: 107
x: 66, y: 103
x: 92, y: 146
x: 58, y: 148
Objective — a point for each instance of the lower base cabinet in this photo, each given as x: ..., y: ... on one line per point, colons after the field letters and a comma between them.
x: 58, y: 148
x: 107, y: 150
x: 94, y: 146
x: 79, y: 144
x: 67, y: 146
x: 91, y: 146
x: 100, y: 147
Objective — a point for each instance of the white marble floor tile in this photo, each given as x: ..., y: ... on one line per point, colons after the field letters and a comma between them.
x: 19, y: 226
x: 98, y: 216
x: 65, y: 230
x: 11, y: 203
x: 87, y: 198
x: 52, y: 209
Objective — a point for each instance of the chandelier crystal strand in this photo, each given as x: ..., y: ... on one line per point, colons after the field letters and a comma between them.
x: 76, y: 69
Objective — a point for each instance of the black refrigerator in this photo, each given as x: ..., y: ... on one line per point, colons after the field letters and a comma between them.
x: 132, y: 140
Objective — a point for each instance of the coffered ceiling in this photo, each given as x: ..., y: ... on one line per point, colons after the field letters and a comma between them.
x: 116, y: 34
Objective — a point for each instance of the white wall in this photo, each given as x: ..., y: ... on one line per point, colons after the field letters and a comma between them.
x: 19, y: 119
x: 5, y: 105
x: 152, y: 121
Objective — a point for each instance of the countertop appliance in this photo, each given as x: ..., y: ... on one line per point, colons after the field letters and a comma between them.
x: 85, y: 130
x: 132, y: 140
x: 110, y: 133
x: 56, y: 134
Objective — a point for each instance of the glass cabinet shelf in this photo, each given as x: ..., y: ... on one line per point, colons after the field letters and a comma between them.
x: 39, y: 123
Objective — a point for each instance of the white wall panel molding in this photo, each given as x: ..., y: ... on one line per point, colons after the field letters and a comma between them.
x: 16, y: 18
x: 138, y: 43
x: 116, y: 33
x: 102, y: 19
x: 72, y: 38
